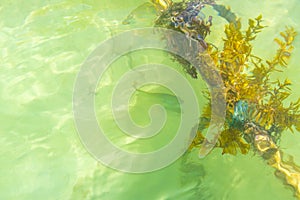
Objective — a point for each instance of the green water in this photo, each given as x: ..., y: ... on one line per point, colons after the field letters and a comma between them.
x: 43, y: 45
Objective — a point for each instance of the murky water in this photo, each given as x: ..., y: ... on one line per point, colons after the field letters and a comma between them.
x: 43, y: 45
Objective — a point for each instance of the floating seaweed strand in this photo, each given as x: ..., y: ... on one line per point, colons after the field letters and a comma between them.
x: 187, y: 18
x: 242, y: 129
x: 184, y: 17
x: 246, y: 121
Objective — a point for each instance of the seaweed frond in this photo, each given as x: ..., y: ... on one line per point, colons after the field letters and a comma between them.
x: 231, y: 140
x: 247, y: 77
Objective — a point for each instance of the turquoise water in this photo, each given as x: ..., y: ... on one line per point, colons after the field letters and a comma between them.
x: 44, y: 44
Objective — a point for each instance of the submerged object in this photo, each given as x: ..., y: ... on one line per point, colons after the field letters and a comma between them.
x: 240, y: 113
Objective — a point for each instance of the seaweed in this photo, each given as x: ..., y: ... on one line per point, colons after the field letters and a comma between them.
x: 246, y: 78
x: 258, y: 111
x: 186, y: 17
x: 249, y: 87
x: 257, y: 107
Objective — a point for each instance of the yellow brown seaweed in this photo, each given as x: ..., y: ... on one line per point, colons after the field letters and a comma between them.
x: 257, y: 108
